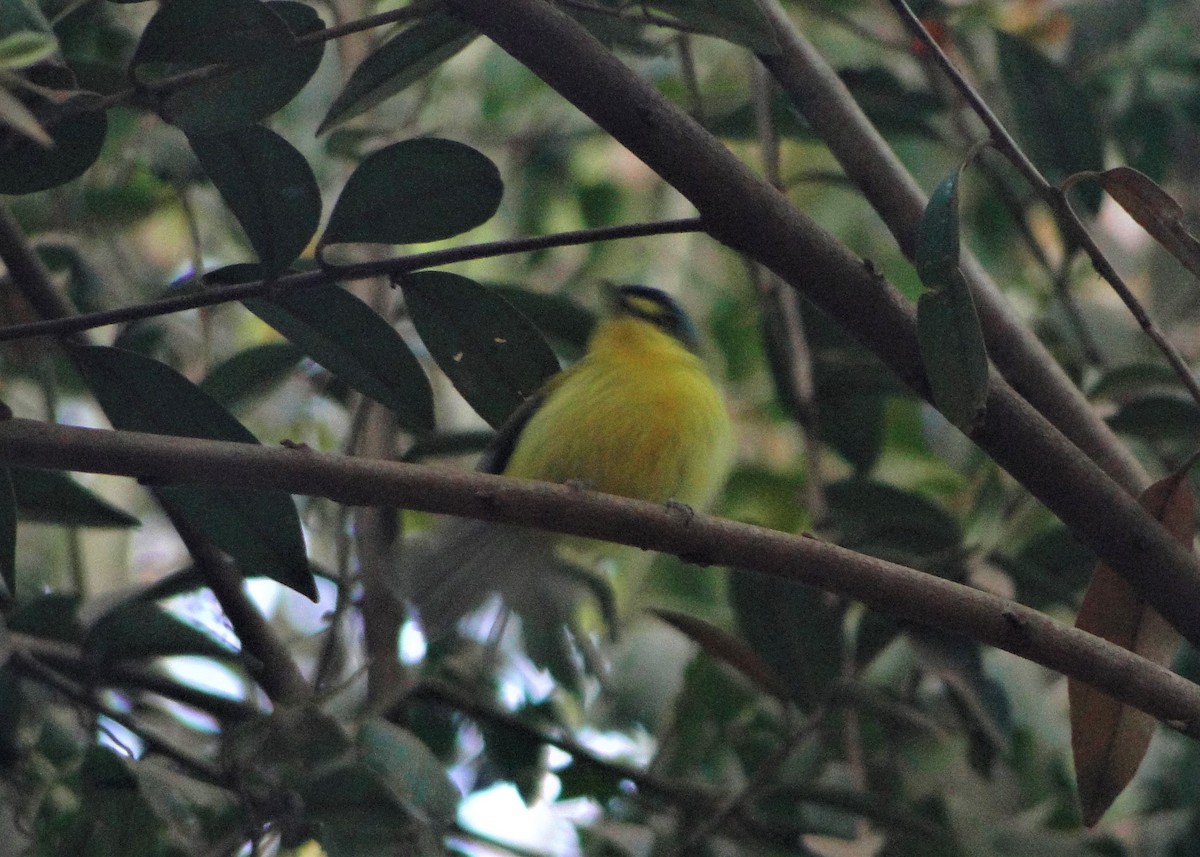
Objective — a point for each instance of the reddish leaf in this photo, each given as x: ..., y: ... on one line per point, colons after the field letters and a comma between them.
x: 1156, y: 211
x: 1108, y: 738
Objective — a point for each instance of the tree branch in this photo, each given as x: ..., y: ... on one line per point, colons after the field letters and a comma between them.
x: 753, y: 218
x: 1053, y: 196
x: 219, y: 294
x: 817, y: 91
x: 893, y: 589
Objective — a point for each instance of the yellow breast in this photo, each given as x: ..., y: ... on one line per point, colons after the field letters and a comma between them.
x: 638, y: 416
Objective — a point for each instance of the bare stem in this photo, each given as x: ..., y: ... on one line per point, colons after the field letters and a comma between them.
x: 336, y: 273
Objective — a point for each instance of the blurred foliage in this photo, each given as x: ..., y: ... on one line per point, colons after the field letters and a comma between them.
x: 213, y: 142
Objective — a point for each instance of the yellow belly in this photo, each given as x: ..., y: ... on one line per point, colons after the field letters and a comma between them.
x: 638, y: 417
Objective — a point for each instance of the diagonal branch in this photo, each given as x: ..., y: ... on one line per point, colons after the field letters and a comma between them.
x: 817, y: 91
x: 750, y: 216
x: 901, y: 592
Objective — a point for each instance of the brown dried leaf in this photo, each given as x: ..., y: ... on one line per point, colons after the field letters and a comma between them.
x: 1108, y: 738
x: 1156, y: 211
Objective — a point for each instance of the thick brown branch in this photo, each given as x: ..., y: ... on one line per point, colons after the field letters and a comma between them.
x: 902, y: 592
x: 817, y: 91
x: 752, y: 217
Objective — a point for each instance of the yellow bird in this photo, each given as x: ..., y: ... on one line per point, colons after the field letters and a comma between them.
x: 637, y: 416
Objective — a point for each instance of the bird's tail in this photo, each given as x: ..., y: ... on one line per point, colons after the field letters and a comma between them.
x: 452, y: 570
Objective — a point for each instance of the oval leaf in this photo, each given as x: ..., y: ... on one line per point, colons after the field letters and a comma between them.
x: 256, y: 40
x: 418, y: 190
x: 143, y: 629
x: 401, y: 61
x: 259, y: 529
x: 492, y: 354
x: 76, y: 135
x: 954, y: 354
x: 251, y: 373
x: 50, y: 497
x: 268, y: 186
x: 1108, y: 738
x: 348, y: 338
x: 1054, y: 117
x: 408, y: 770
x: 1156, y: 211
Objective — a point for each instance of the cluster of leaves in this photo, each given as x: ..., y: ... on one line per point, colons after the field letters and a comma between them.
x: 780, y: 714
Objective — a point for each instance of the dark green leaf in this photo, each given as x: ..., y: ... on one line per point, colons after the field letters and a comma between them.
x: 954, y: 354
x: 739, y: 21
x: 259, y: 529
x: 414, y: 191
x: 77, y: 134
x: 795, y: 629
x: 143, y: 629
x: 1054, y: 116
x: 1159, y: 418
x: 8, y: 532
x: 1134, y: 380
x: 348, y: 338
x: 269, y: 187
x: 516, y: 756
x: 402, y: 61
x: 559, y: 317
x: 251, y: 373
x: 882, y: 520
x: 288, y: 749
x: 494, y: 356
x: 54, y: 616
x: 19, y: 15
x: 948, y: 330
x: 255, y: 39
x: 409, y: 770
x: 50, y: 497
x: 1051, y: 569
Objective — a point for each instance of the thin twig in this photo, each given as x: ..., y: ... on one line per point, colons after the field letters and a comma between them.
x: 336, y: 273
x: 1053, y: 196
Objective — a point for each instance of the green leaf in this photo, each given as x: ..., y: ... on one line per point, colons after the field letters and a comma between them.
x: 76, y: 135
x: 256, y: 39
x: 1054, y: 117
x: 25, y: 48
x: 20, y: 15
x: 143, y: 629
x: 259, y: 529
x: 251, y: 373
x: 739, y: 21
x: 795, y: 629
x: 54, y: 616
x: 269, y: 187
x: 493, y: 355
x: 948, y: 330
x: 557, y: 316
x: 49, y: 497
x: 8, y: 532
x: 1159, y: 418
x: 409, y: 770
x: 400, y: 62
x: 885, y: 521
x: 415, y: 191
x: 348, y: 338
